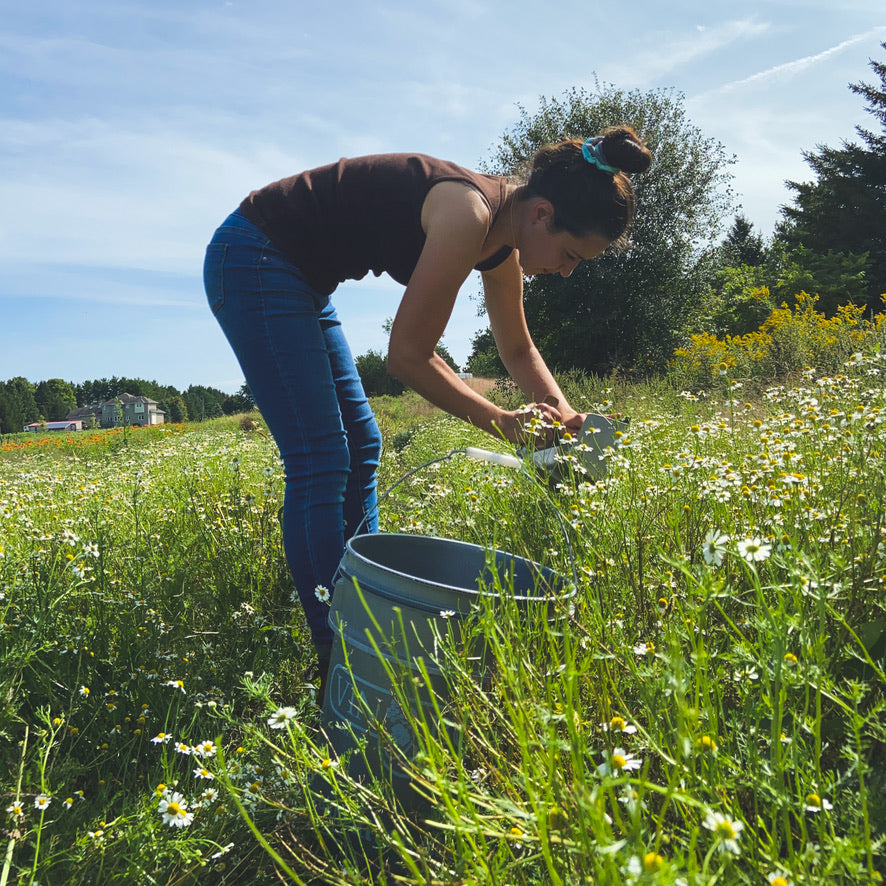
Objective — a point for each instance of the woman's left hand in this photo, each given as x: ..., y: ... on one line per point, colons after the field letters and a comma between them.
x: 575, y: 421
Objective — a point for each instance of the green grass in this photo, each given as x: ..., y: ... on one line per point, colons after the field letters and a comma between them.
x: 707, y: 708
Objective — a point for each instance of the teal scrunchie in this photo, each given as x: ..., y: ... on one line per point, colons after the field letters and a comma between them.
x: 592, y: 151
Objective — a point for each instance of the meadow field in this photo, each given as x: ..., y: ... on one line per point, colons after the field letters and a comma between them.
x: 708, y: 707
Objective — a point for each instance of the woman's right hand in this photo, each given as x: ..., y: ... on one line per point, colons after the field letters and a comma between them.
x: 539, y: 424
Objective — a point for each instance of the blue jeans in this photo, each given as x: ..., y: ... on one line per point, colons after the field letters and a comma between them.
x: 299, y: 368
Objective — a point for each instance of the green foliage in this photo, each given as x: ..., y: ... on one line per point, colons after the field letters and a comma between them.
x: 372, y: 368
x: 788, y: 341
x: 742, y: 296
x: 484, y: 360
x: 740, y: 301
x: 203, y: 403
x: 55, y: 398
x: 18, y: 406
x: 175, y: 408
x: 842, y: 211
x: 742, y: 246
x: 627, y: 310
x: 242, y: 401
x: 158, y: 561
x: 836, y: 278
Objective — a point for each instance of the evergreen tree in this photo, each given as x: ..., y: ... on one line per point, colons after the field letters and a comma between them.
x: 843, y: 210
x: 242, y: 401
x: 742, y: 246
x: 203, y: 403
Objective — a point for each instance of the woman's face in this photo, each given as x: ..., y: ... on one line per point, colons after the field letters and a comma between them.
x: 543, y: 250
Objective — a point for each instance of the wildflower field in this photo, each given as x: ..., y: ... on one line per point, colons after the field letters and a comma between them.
x: 708, y: 707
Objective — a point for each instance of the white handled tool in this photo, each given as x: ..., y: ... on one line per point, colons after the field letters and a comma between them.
x: 597, y: 434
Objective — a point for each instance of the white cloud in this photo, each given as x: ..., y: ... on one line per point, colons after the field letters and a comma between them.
x: 90, y: 192
x: 670, y: 51
x: 798, y: 66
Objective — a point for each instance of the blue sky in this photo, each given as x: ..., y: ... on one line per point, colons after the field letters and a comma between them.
x: 129, y: 130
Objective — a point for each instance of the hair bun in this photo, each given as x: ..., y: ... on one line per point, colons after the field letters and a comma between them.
x: 624, y: 149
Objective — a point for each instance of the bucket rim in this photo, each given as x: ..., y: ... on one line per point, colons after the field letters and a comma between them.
x: 564, y: 586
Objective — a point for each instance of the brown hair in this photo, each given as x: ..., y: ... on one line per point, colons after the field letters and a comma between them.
x: 587, y: 200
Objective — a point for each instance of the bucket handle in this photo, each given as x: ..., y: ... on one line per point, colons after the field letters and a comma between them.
x: 510, y: 461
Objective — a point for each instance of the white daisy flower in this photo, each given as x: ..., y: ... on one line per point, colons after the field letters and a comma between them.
x: 726, y: 831
x: 281, y: 717
x: 754, y: 550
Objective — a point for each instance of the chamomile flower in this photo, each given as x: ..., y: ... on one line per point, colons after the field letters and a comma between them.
x: 174, y: 810
x: 619, y: 762
x: 16, y: 810
x: 201, y: 772
x: 706, y: 744
x: 814, y: 803
x: 619, y: 724
x: 204, y: 749
x: 653, y: 862
x: 754, y: 550
x: 726, y: 831
x: 162, y: 738
x: 281, y: 717
x: 713, y: 547
x: 79, y: 570
x: 209, y: 795
x: 42, y: 802
x: 321, y: 592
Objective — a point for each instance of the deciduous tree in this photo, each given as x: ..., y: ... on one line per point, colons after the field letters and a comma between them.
x: 628, y: 309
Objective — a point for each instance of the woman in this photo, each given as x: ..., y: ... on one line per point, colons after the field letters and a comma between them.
x: 273, y: 264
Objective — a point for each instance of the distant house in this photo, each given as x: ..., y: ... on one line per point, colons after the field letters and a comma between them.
x: 66, y: 425
x: 125, y: 409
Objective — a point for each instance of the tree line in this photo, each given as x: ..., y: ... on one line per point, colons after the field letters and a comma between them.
x: 23, y: 401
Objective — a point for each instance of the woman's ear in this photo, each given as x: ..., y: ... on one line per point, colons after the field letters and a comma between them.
x: 542, y: 211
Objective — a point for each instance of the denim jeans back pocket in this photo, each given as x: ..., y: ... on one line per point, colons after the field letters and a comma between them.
x: 214, y: 275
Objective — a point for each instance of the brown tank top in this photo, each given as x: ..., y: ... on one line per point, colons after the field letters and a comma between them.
x: 340, y: 221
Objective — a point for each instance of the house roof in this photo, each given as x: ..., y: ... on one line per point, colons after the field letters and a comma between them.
x: 86, y: 412
x: 54, y: 425
x: 128, y: 398
x: 83, y: 412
